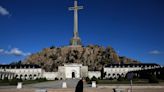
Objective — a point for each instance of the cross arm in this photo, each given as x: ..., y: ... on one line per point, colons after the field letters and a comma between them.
x: 73, y: 8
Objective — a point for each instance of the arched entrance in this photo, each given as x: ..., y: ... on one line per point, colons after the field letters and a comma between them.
x: 73, y: 74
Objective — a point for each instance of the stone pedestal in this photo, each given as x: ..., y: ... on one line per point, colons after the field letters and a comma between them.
x: 128, y: 90
x: 19, y: 85
x: 93, y: 84
x: 64, y: 85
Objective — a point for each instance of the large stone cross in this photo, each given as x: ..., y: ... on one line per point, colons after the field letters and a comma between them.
x: 75, y: 8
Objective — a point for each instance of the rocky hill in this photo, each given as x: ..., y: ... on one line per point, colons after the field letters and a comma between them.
x: 93, y: 56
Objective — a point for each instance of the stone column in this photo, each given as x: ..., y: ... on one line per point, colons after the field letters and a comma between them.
x: 3, y: 76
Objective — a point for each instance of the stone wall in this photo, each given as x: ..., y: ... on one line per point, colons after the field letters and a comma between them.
x: 61, y: 72
x: 118, y: 71
x: 50, y: 75
x: 8, y: 75
x: 24, y: 73
x: 97, y: 74
x: 84, y: 71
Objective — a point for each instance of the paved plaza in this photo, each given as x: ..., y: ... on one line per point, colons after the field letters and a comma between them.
x: 71, y: 83
x: 56, y: 86
x: 85, y: 90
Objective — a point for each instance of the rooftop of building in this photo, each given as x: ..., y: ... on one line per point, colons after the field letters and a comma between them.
x: 19, y: 66
x: 132, y: 65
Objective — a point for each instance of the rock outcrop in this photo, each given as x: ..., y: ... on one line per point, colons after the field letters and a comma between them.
x: 93, y: 56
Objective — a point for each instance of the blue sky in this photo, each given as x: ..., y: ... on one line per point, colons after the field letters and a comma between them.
x: 134, y: 28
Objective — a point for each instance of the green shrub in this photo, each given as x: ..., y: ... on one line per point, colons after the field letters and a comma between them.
x: 37, y: 79
x: 20, y: 80
x: 5, y: 80
x: 110, y: 78
x: 41, y: 79
x: 120, y: 78
x: 135, y: 78
x: 88, y: 80
x: 94, y: 79
x: 14, y: 81
x: 153, y: 79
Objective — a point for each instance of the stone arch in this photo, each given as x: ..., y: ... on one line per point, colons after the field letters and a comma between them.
x: 30, y: 76
x: 118, y: 75
x: 9, y: 76
x: 21, y: 76
x: 109, y: 75
x: 74, y: 73
x: 6, y: 75
x: 34, y: 76
x: 0, y: 75
x: 122, y: 75
x: 25, y: 76
x: 3, y: 76
x: 16, y: 76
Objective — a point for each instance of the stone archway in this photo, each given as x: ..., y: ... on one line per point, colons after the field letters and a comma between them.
x: 73, y: 74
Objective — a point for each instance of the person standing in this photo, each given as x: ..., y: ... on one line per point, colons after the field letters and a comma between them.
x: 79, y: 87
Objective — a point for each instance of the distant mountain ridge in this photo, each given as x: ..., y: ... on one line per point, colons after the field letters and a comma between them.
x: 93, y: 56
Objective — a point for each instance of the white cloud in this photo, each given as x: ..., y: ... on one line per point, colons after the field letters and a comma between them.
x: 26, y: 54
x: 1, y: 50
x: 155, y: 52
x: 15, y: 52
x: 4, y: 11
